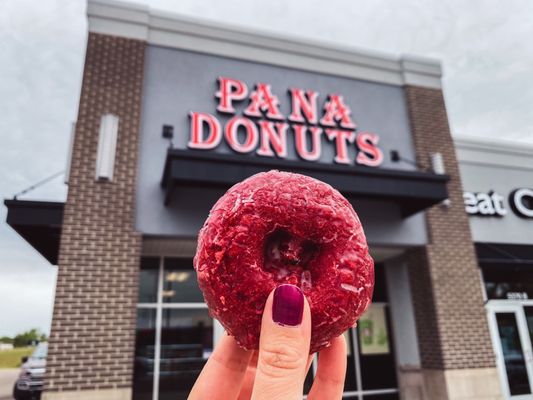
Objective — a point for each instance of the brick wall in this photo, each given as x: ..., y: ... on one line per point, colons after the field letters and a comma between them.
x: 447, y: 290
x: 92, y: 339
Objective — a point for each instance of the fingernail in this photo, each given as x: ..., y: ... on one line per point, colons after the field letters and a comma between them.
x: 288, y: 305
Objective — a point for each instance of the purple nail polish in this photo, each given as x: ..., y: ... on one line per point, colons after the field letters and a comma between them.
x: 288, y: 305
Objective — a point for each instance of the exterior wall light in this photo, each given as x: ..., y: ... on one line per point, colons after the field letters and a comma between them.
x: 107, y: 146
x: 437, y: 163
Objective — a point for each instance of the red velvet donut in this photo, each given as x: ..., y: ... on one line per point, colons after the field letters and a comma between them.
x: 279, y: 227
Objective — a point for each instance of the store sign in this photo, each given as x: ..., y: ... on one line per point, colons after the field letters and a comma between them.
x: 521, y: 201
x: 488, y: 204
x: 264, y: 130
x: 492, y: 203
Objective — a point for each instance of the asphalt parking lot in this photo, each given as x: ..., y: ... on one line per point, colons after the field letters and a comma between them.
x: 8, y: 377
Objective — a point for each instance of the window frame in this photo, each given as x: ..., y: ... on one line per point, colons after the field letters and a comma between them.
x: 218, y: 330
x: 159, y: 306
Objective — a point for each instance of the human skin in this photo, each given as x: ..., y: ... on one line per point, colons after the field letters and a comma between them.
x: 277, y: 370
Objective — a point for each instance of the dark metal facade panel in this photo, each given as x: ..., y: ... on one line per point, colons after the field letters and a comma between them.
x: 39, y: 223
x: 412, y: 190
x: 504, y: 255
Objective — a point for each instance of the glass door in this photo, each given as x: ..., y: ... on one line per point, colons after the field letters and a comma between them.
x: 511, y: 326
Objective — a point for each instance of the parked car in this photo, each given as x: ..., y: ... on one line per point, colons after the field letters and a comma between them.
x: 29, y: 384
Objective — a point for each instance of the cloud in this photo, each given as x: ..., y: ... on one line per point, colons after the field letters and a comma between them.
x: 41, y: 56
x: 484, y: 46
x: 26, y: 298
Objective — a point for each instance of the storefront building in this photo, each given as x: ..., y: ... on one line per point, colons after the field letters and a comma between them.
x: 174, y: 111
x: 498, y: 182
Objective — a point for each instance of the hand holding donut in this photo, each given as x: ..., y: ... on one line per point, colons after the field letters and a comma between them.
x: 277, y: 371
x: 283, y: 264
x: 278, y: 228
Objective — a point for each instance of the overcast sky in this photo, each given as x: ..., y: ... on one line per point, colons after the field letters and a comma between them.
x: 485, y: 46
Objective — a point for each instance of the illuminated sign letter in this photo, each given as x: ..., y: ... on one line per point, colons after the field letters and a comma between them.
x: 273, y: 137
x: 232, y: 133
x: 341, y: 138
x: 486, y: 204
x: 470, y: 203
x: 497, y: 201
x: 369, y: 154
x: 228, y: 91
x: 521, y: 201
x: 300, y: 132
x: 197, y: 139
x: 336, y: 110
x: 262, y: 99
x: 303, y: 103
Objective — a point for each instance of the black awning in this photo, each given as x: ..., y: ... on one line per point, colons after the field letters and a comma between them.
x: 502, y: 254
x: 39, y: 222
x: 414, y: 191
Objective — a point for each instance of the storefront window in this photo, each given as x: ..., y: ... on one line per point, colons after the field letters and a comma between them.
x: 148, y: 280
x: 371, y: 368
x: 374, y: 340
x: 174, y: 330
x: 174, y: 337
x: 513, y: 355
x: 143, y: 381
x: 508, y: 283
x: 186, y: 343
x: 179, y: 284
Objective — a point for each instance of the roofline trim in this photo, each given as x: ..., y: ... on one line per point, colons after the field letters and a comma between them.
x: 165, y: 29
x: 494, y: 152
x: 493, y: 145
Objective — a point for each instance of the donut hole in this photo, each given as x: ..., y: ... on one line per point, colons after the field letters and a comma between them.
x: 289, y: 258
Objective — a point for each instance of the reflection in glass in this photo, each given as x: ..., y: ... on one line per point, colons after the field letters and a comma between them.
x: 179, y: 282
x: 186, y: 343
x: 513, y: 355
x: 508, y: 284
x: 143, y: 370
x: 148, y: 286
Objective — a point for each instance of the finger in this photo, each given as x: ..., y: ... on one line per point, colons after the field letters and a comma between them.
x: 283, y: 345
x: 223, y: 375
x: 249, y: 378
x: 331, y: 372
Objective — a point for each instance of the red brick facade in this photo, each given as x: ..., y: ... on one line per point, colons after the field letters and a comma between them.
x: 93, y: 330
x: 446, y: 283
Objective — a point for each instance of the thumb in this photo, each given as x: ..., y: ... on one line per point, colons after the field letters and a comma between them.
x: 283, y: 346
